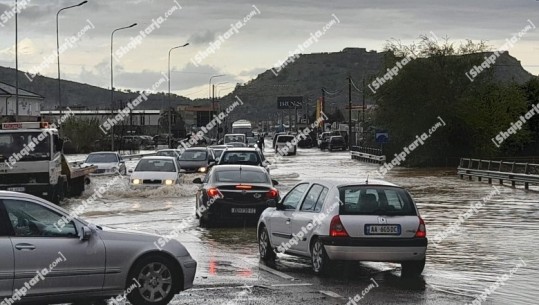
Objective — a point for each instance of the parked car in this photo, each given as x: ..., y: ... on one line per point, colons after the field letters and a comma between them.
x: 244, y: 156
x: 107, y: 162
x: 91, y: 263
x: 371, y: 221
x: 282, y: 142
x: 233, y: 193
x: 306, y: 143
x: 176, y: 153
x: 323, y: 140
x: 197, y: 160
x: 155, y: 172
x: 336, y: 142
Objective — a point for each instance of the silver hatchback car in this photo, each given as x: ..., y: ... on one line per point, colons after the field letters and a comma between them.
x: 331, y: 220
x: 48, y: 256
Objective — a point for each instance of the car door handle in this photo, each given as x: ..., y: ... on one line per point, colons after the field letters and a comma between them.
x: 288, y: 220
x: 24, y: 247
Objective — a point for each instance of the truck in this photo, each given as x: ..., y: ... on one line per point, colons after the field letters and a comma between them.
x: 242, y: 126
x: 32, y: 161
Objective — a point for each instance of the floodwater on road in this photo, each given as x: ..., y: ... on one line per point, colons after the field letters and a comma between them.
x: 493, y: 247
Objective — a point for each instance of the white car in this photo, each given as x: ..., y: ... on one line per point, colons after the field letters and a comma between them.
x: 107, y: 162
x: 331, y: 220
x: 155, y: 172
x: 285, y: 141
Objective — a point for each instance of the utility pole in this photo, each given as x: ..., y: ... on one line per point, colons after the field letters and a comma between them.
x: 364, y: 110
x: 323, y: 107
x: 349, y: 112
x: 16, y: 61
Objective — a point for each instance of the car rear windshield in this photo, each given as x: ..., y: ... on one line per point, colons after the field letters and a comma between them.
x: 240, y: 157
x: 375, y: 200
x: 102, y: 158
x: 243, y: 176
x: 284, y: 139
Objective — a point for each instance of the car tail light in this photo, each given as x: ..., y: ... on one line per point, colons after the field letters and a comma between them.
x: 244, y: 187
x: 336, y: 228
x: 273, y: 194
x: 422, y: 229
x: 213, y: 192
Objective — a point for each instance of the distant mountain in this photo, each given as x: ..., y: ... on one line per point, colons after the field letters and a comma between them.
x: 305, y: 76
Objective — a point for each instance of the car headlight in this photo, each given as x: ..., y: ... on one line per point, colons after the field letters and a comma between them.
x: 136, y: 181
x: 202, y: 169
x: 169, y: 182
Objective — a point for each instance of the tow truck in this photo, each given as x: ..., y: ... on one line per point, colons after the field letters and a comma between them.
x: 32, y: 161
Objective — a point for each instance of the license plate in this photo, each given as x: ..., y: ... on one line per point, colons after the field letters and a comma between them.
x: 382, y: 229
x: 16, y: 189
x: 243, y: 211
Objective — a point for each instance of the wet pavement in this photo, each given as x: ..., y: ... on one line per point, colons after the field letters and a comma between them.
x: 498, y: 243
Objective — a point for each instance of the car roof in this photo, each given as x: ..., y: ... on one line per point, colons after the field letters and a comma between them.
x: 228, y: 167
x: 197, y: 148
x: 240, y: 149
x: 340, y: 182
x: 168, y: 149
x: 158, y: 158
x: 103, y: 152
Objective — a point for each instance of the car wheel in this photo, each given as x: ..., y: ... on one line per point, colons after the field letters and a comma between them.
x: 204, y: 221
x: 157, y: 280
x: 319, y: 258
x: 264, y: 246
x: 412, y: 269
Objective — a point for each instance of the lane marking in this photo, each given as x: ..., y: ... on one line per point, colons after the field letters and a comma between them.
x: 331, y: 294
x: 275, y: 272
x: 289, y: 285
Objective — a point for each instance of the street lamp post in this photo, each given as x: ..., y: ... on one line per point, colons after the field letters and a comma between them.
x: 210, y: 94
x: 16, y: 60
x: 58, y: 52
x: 112, y: 77
x: 169, y: 98
x: 213, y: 104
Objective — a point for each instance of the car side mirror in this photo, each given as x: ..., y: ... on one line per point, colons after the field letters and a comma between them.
x: 279, y: 206
x: 197, y: 181
x: 272, y: 203
x: 85, y: 233
x: 275, y: 182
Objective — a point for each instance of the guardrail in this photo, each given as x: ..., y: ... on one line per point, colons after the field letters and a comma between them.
x: 526, y: 173
x: 367, y: 154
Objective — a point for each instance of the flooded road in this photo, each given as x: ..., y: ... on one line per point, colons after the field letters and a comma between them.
x: 492, y: 247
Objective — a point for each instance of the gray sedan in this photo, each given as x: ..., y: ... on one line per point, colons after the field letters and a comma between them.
x: 50, y: 256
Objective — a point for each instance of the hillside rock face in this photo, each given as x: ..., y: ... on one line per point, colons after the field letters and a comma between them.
x: 306, y: 75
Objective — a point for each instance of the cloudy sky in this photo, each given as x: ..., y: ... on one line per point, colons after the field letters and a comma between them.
x: 274, y: 29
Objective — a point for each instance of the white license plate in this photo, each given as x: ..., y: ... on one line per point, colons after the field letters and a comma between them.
x: 16, y: 189
x: 382, y: 229
x: 243, y: 211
